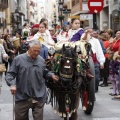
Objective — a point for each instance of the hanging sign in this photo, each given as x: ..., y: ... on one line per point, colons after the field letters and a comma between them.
x: 95, y: 6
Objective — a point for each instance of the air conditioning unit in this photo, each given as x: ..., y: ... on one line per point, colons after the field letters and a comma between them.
x: 19, y: 8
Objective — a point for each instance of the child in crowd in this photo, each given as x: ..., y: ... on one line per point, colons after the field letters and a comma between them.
x: 44, y: 39
x: 75, y: 32
x: 52, y: 33
x: 23, y: 46
x: 63, y: 35
x: 34, y: 30
x: 73, y: 35
x: 114, y: 72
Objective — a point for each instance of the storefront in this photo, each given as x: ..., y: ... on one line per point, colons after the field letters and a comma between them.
x: 115, y: 20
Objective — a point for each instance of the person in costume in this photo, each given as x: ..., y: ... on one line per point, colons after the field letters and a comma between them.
x: 75, y: 35
x: 44, y: 20
x: 43, y: 37
x: 76, y: 32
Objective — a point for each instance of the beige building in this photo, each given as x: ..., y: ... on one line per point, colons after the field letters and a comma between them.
x: 109, y: 17
x: 32, y: 11
x: 12, y: 15
x: 4, y: 16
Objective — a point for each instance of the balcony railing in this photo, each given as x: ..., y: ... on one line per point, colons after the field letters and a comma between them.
x: 3, y: 4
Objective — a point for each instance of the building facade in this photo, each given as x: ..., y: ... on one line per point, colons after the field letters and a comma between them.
x: 4, y: 16
x: 108, y: 18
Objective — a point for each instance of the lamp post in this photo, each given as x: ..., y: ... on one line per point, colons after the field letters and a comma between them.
x: 17, y: 18
x: 94, y: 21
x: 61, y: 8
x: 55, y: 21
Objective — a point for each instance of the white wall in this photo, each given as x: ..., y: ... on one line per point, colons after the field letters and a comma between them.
x: 104, y: 18
x: 48, y: 11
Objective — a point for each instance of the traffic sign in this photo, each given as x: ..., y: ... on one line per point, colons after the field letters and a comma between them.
x: 95, y: 6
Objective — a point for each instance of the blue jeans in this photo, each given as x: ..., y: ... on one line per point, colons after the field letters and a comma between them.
x: 44, y: 52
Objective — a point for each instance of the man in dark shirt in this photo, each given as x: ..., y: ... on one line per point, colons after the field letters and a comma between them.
x: 26, y: 78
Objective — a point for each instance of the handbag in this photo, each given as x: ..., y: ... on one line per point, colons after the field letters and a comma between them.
x: 2, y: 68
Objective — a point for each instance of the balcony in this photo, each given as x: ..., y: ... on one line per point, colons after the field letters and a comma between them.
x: 3, y: 4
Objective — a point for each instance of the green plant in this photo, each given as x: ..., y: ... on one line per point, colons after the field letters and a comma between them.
x: 61, y: 17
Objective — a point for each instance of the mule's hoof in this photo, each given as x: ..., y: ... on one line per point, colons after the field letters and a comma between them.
x: 84, y: 108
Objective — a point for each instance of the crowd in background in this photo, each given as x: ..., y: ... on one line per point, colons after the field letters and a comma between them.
x: 109, y: 42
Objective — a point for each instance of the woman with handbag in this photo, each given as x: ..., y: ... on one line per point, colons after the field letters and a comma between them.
x: 3, y: 56
x: 10, y: 50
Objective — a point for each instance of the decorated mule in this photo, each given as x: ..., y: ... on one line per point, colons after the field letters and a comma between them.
x: 75, y: 82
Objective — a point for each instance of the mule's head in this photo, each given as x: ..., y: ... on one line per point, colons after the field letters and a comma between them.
x: 67, y: 64
x: 68, y: 52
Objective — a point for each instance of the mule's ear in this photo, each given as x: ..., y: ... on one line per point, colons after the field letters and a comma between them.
x: 75, y: 48
x: 63, y: 48
x: 88, y: 47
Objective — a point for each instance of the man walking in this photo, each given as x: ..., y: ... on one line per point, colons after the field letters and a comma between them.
x: 26, y: 78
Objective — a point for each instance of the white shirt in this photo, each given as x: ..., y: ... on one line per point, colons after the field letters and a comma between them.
x: 96, y: 48
x: 44, y: 39
x: 72, y: 32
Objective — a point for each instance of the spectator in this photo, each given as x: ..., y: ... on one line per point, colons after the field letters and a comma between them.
x: 105, y: 72
x: 9, y: 48
x: 98, y: 56
x: 25, y: 30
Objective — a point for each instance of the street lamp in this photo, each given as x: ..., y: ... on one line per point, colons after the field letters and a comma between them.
x: 94, y: 21
x: 61, y: 5
x: 55, y: 21
x: 17, y: 18
x: 61, y: 17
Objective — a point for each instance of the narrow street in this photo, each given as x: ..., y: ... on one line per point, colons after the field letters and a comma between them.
x: 105, y: 108
x: 71, y: 36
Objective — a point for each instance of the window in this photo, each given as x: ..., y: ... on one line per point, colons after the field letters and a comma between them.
x: 73, y: 3
x: 115, y: 1
x: 107, y: 2
x: 77, y: 1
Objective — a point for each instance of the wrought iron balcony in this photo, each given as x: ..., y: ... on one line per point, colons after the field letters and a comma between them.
x: 3, y: 4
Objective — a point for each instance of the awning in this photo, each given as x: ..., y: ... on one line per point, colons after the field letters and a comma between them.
x: 80, y: 12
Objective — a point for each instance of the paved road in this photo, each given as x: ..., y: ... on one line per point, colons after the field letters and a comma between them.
x: 104, y: 109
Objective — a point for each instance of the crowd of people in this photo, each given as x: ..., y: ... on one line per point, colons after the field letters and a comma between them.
x: 34, y: 45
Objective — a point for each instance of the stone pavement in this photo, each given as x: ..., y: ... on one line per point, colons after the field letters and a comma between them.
x: 104, y: 109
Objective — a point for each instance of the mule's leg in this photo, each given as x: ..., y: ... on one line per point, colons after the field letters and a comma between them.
x: 74, y: 116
